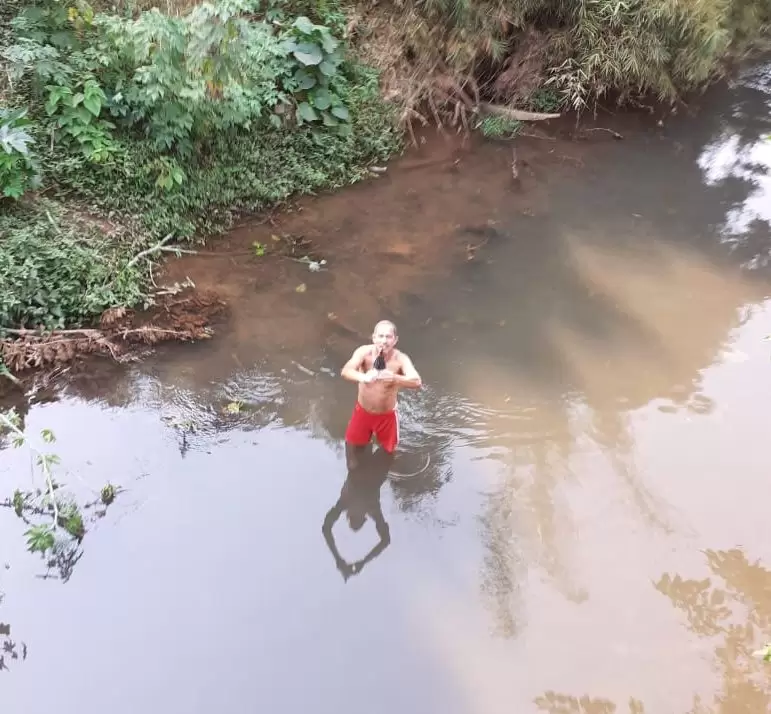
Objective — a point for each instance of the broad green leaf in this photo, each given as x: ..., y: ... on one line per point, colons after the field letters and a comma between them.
x: 327, y: 68
x: 304, y: 25
x: 93, y: 104
x: 14, y: 116
x: 12, y: 139
x: 63, y: 39
x: 83, y: 115
x: 51, y: 103
x: 341, y: 112
x: 308, y: 53
x: 329, y: 120
x: 14, y: 189
x: 304, y: 79
x: 336, y: 57
x: 322, y: 99
x: 328, y: 42
x: 306, y: 112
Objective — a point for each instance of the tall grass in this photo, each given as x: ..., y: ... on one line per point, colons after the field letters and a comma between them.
x: 583, y: 50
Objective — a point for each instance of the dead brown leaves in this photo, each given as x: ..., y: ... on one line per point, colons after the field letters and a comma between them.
x: 121, y: 331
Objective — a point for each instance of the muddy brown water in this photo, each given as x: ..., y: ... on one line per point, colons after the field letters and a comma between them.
x: 591, y: 532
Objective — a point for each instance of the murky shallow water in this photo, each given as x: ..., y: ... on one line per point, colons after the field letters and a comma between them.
x: 590, y: 536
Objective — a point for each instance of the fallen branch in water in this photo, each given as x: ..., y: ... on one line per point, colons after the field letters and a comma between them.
x: 614, y: 134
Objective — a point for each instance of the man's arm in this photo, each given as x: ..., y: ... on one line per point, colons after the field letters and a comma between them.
x: 352, y: 368
x: 409, y: 377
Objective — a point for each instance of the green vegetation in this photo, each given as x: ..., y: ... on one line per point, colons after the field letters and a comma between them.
x: 162, y: 125
x: 149, y: 125
x: 52, y: 275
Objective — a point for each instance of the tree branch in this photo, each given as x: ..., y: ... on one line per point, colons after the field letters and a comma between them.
x: 149, y: 251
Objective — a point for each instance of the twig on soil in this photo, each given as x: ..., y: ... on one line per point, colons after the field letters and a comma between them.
x: 149, y: 251
x: 157, y: 248
x: 89, y: 332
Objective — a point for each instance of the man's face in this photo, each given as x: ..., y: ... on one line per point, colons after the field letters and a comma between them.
x: 384, y: 338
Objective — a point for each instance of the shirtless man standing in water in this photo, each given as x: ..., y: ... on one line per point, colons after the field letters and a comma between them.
x: 380, y: 370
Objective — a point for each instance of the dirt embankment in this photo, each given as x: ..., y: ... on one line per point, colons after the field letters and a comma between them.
x: 121, y: 333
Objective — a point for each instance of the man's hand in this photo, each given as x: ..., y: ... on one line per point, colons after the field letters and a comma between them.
x: 386, y: 375
x: 369, y: 377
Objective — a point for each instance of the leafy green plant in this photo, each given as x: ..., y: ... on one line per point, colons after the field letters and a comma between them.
x: 169, y: 173
x: 53, y: 274
x: 78, y: 115
x: 243, y: 170
x: 19, y: 171
x: 545, y: 100
x: 180, y: 79
x: 171, y: 125
x: 319, y: 55
x: 499, y: 127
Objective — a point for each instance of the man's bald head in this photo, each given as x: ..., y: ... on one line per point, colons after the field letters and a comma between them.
x: 384, y: 337
x: 385, y: 325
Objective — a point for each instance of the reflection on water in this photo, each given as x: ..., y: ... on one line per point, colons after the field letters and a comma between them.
x: 12, y: 651
x: 595, y: 415
x: 360, y: 499
x: 742, y: 154
x: 553, y: 703
x: 733, y: 615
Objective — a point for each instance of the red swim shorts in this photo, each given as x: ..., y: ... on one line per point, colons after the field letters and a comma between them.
x: 364, y: 424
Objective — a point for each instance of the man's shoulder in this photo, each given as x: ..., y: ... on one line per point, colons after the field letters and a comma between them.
x: 362, y: 352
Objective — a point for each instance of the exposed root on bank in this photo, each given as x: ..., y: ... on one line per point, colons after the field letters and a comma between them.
x: 119, y: 334
x: 435, y: 77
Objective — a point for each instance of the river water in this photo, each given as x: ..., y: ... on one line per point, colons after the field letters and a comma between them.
x: 589, y: 528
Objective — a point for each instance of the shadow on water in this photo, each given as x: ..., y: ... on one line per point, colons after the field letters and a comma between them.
x: 583, y: 409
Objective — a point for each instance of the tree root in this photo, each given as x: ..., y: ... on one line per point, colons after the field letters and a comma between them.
x: 119, y: 334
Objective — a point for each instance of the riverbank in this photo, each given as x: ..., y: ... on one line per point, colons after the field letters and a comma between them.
x: 144, y: 154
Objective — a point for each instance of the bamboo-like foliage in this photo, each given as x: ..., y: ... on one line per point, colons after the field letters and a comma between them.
x: 581, y: 50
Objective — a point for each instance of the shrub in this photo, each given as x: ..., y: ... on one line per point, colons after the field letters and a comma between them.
x: 54, y: 275
x: 18, y: 168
